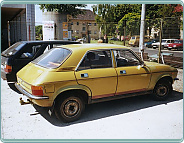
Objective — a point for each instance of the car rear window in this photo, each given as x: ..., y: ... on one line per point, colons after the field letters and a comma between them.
x: 52, y: 58
x: 12, y: 49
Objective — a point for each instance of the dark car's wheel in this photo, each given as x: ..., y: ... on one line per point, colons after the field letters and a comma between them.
x: 162, y: 90
x: 69, y: 109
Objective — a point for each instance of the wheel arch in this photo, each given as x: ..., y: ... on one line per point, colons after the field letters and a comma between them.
x: 165, y: 77
x: 82, y: 91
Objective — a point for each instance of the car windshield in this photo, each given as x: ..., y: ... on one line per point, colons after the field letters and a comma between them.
x: 178, y: 41
x: 12, y: 49
x: 52, y: 58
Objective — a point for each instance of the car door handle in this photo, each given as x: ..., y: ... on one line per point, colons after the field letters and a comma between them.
x: 123, y: 72
x: 84, y: 75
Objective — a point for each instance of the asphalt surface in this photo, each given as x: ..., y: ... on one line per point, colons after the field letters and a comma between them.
x: 152, y: 51
x: 131, y: 118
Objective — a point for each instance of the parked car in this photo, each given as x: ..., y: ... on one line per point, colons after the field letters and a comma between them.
x: 68, y: 77
x: 114, y: 38
x: 149, y: 43
x: 178, y: 45
x: 164, y: 43
x: 134, y: 40
x: 21, y: 53
x: 82, y: 40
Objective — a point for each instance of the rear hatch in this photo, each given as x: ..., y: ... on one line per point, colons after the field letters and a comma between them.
x: 28, y: 75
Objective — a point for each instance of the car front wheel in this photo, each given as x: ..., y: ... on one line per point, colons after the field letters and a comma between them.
x: 162, y: 90
x: 69, y: 109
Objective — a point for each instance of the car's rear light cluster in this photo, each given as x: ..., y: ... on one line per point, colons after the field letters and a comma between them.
x: 8, y: 69
x: 37, y: 90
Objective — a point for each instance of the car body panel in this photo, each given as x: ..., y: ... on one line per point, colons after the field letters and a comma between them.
x: 98, y: 83
x: 132, y: 75
x: 106, y: 81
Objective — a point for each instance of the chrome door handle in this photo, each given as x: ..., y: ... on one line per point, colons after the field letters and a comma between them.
x: 123, y: 72
x: 84, y: 75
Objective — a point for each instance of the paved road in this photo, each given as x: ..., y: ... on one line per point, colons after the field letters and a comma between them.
x: 130, y: 118
x: 151, y: 51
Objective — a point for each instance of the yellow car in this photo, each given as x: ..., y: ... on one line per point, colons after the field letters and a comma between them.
x: 68, y: 77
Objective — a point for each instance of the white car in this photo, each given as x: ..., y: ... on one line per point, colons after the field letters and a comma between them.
x: 164, y: 43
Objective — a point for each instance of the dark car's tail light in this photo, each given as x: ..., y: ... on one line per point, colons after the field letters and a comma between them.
x: 37, y: 90
x: 8, y: 69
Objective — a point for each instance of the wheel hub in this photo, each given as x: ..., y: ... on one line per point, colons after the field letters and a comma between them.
x: 71, y: 108
x: 162, y: 91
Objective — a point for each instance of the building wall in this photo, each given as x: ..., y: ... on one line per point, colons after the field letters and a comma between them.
x: 58, y: 20
x: 79, y: 28
x: 30, y: 21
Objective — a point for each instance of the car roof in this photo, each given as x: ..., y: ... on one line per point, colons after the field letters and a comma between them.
x: 50, y: 41
x: 87, y: 47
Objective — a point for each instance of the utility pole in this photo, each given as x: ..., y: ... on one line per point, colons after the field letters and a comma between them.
x: 160, y: 39
x: 124, y: 33
x: 142, y: 29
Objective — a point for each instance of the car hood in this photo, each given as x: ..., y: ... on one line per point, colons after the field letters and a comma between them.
x: 156, y: 67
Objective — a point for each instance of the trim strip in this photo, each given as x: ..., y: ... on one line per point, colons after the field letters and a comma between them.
x: 132, y: 91
x: 119, y: 93
x: 102, y: 96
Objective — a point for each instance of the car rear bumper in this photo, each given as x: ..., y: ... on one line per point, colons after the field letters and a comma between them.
x: 30, y: 95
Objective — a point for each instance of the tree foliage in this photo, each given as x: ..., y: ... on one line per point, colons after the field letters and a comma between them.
x: 113, y: 16
x: 72, y: 9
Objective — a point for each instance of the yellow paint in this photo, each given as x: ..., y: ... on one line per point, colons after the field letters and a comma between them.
x: 102, y: 81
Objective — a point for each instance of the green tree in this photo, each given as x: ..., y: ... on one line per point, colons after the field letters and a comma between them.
x: 132, y: 24
x: 72, y: 9
x: 38, y: 31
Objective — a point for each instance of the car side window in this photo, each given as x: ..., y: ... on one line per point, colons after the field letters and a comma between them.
x: 96, y: 59
x: 125, y: 58
x: 30, y: 51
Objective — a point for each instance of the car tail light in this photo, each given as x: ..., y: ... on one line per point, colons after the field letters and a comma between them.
x: 37, y: 90
x: 8, y: 69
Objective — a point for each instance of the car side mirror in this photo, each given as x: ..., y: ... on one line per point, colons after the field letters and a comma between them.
x: 143, y: 64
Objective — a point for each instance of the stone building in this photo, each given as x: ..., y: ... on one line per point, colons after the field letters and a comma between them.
x: 83, y: 24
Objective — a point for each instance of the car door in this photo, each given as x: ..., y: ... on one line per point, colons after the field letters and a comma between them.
x: 96, y: 71
x: 132, y: 77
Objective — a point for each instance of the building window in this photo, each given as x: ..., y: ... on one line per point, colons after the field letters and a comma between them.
x: 71, y: 23
x: 72, y: 31
x: 83, y: 28
x: 95, y: 32
x: 77, y: 23
x: 89, y: 31
x: 94, y: 24
x: 77, y: 31
x: 89, y: 24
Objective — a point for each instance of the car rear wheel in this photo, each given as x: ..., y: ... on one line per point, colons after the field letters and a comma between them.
x: 162, y: 90
x: 69, y: 109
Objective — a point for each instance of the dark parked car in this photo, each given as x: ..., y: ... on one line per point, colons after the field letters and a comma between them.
x: 21, y: 53
x: 114, y: 38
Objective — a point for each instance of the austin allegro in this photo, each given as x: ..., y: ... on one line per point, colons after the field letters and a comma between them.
x: 68, y: 77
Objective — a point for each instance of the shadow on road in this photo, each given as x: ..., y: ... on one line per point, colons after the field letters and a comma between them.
x: 110, y: 108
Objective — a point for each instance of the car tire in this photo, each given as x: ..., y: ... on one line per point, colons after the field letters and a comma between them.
x: 162, y: 90
x: 69, y: 109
